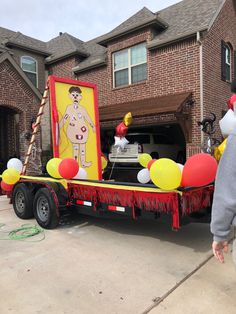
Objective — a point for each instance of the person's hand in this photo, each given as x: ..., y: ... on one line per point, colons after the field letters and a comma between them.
x: 219, y: 248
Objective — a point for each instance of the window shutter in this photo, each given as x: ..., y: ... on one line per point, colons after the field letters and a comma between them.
x: 234, y: 64
x: 223, y: 65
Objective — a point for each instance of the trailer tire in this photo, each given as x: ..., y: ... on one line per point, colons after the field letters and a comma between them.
x: 22, y: 199
x: 45, y: 209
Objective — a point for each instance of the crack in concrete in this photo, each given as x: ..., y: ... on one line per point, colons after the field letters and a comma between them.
x: 158, y: 300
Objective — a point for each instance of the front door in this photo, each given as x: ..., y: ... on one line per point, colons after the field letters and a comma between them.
x: 9, y: 136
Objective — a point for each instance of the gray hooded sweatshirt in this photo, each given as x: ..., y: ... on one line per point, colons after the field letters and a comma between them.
x: 224, y: 200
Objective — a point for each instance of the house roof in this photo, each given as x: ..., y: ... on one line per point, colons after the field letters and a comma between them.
x: 5, y: 34
x: 96, y: 58
x: 141, y: 19
x: 10, y: 38
x: 145, y: 107
x: 173, y: 23
x: 65, y: 45
x: 186, y: 18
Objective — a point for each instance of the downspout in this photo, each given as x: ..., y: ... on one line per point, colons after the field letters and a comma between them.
x: 201, y: 80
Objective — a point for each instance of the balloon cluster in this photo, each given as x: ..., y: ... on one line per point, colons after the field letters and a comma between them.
x: 227, y: 125
x: 67, y: 168
x: 199, y: 170
x: 121, y: 130
x: 11, y: 175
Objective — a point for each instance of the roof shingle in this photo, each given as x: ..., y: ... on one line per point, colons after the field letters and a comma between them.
x: 65, y: 44
x: 188, y: 16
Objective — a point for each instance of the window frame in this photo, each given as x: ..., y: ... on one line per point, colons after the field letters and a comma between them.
x: 129, y: 66
x: 224, y: 62
x: 36, y: 66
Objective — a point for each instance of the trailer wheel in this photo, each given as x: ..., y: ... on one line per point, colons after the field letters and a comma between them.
x: 44, y: 208
x: 22, y: 199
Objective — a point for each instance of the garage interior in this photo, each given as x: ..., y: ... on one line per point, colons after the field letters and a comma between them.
x: 127, y: 172
x: 169, y: 115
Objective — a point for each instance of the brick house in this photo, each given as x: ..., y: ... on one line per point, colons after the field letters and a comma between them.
x: 19, y: 99
x: 170, y: 69
x: 190, y: 61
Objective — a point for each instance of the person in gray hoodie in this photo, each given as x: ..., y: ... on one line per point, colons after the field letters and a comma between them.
x: 224, y: 200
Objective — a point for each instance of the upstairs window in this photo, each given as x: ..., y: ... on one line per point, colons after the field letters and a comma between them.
x: 29, y: 66
x: 130, y: 65
x: 225, y: 62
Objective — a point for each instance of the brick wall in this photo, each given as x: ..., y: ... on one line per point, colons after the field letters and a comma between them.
x: 171, y: 70
x: 63, y: 68
x: 16, y: 95
x: 216, y: 91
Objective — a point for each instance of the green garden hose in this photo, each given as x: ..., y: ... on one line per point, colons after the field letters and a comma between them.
x: 26, y: 231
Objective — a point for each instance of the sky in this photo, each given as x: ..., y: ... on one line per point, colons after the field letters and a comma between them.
x: 44, y: 19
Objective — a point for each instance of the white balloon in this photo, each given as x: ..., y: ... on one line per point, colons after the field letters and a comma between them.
x: 81, y: 174
x: 181, y: 167
x: 15, y: 163
x: 121, y: 142
x: 228, y: 123
x: 143, y: 176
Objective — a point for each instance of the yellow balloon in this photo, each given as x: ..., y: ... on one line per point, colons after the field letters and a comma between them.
x: 144, y: 159
x: 53, y: 167
x: 10, y: 176
x: 166, y: 174
x: 128, y: 119
x: 104, y: 162
x: 222, y: 146
x: 218, y: 151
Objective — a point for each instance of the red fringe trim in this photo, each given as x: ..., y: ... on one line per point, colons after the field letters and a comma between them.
x: 155, y: 202
x: 171, y: 202
x: 159, y: 202
x: 115, y: 197
x: 196, y: 200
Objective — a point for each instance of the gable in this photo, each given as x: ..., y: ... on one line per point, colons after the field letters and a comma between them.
x: 11, y: 73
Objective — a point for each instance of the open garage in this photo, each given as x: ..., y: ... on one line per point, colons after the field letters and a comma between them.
x: 157, y: 122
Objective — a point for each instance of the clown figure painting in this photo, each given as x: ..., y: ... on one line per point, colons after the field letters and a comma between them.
x: 77, y: 130
x: 75, y: 122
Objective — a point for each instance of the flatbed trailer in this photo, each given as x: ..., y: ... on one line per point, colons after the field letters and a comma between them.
x: 46, y: 199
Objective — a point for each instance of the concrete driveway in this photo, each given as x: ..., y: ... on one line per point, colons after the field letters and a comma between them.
x: 95, y: 265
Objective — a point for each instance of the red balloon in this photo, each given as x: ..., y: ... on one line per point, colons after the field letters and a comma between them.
x: 231, y: 101
x: 6, y: 187
x: 150, y: 163
x: 121, y: 129
x: 199, y: 170
x: 68, y: 168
